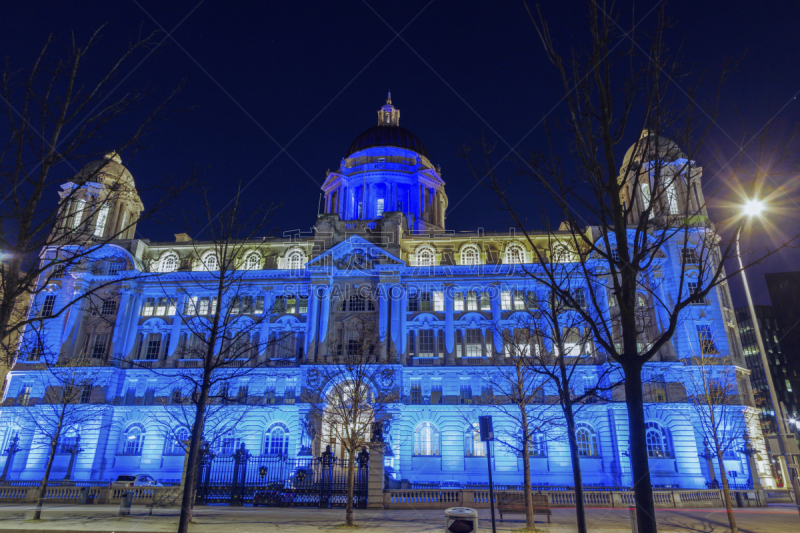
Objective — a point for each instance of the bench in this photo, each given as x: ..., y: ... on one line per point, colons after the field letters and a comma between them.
x: 514, y: 502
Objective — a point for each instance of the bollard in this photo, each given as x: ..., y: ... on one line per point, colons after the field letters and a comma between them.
x: 83, y: 497
x: 125, y: 504
x: 632, y: 510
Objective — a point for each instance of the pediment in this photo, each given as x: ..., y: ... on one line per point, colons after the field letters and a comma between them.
x: 355, y: 253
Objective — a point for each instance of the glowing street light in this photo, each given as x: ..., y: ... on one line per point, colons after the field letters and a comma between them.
x: 753, y: 208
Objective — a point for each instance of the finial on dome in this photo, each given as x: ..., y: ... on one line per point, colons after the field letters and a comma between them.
x: 114, y: 156
x: 388, y: 115
x: 389, y: 98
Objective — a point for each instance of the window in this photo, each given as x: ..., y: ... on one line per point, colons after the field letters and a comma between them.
x: 425, y: 301
x: 252, y: 261
x: 537, y: 446
x: 100, y: 225
x: 436, y: 393
x: 426, y: 439
x: 672, y: 197
x: 173, y: 444
x: 99, y: 346
x: 210, y: 262
x: 519, y: 300
x: 473, y: 445
x: 587, y: 440
x: 416, y: 393
x: 458, y: 302
x: 472, y: 301
x: 706, y: 337
x: 474, y: 343
x: 579, y: 295
x: 615, y: 255
x: 77, y: 217
x: 114, y: 267
x: 425, y: 256
x: 24, y: 396
x: 228, y: 443
x: 68, y: 441
x: 153, y: 346
x: 470, y: 255
x: 109, y: 307
x: 148, y: 306
x: 573, y: 342
x: 379, y: 208
x: 438, y: 301
x: 693, y: 290
x: 161, y: 308
x: 295, y: 260
x: 465, y: 396
x: 657, y: 441
x: 505, y: 300
x: 562, y: 254
x: 356, y: 304
x: 86, y: 394
x: 486, y: 301
x: 689, y: 256
x: 133, y: 440
x: 644, y: 186
x: 169, y: 262
x: 49, y: 305
x: 426, y: 341
x: 515, y: 254
x: 277, y: 441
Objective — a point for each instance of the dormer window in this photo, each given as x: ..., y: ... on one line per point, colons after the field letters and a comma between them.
x: 381, y: 160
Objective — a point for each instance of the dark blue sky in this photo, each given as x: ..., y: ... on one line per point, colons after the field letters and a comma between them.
x: 313, y: 74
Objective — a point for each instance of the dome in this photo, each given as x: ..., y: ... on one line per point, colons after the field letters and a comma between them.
x: 109, y: 168
x: 667, y: 149
x: 387, y: 135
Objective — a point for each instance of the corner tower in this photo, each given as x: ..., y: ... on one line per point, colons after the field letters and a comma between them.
x: 386, y: 170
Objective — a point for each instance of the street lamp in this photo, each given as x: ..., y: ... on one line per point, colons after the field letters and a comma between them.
x: 753, y: 208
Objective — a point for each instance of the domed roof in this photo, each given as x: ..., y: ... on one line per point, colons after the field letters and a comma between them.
x: 387, y: 135
x: 668, y: 150
x: 109, y: 170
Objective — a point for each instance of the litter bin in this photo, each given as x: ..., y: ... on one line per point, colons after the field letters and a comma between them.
x: 739, y: 499
x: 125, y: 504
x: 83, y: 495
x: 461, y: 520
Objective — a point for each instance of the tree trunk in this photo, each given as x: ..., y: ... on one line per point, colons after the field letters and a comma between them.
x: 726, y: 491
x: 580, y: 510
x: 37, y: 514
x: 642, y: 487
x: 351, y: 459
x: 526, y: 472
x: 190, y: 483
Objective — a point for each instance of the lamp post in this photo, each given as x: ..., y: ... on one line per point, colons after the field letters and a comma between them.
x: 750, y: 209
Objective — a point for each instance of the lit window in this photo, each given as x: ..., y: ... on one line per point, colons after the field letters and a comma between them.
x: 148, y: 307
x: 295, y: 260
x: 173, y: 444
x: 458, y: 302
x: 133, y: 441
x: 161, y: 308
x: 438, y: 301
x: 573, y: 342
x: 425, y: 301
x: 277, y: 442
x: 102, y: 217
x: 228, y: 444
x: 515, y: 254
x: 706, y: 337
x: 379, y: 208
x: 425, y: 256
x: 505, y: 300
x: 24, y: 396
x: 519, y: 300
x: 562, y: 254
x: 470, y: 255
x: 473, y: 339
x: 114, y: 267
x: 657, y: 441
x: 252, y: 261
x: 486, y: 302
x: 473, y: 445
x: 587, y: 440
x: 169, y: 263
x: 77, y: 217
x: 210, y: 262
x: 472, y: 301
x: 416, y: 393
x: 537, y: 447
x: 426, y: 439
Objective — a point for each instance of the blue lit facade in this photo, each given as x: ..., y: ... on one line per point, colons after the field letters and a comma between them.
x: 439, y: 299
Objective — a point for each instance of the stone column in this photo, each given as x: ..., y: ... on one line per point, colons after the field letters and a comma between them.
x: 375, y: 477
x: 311, y: 326
x: 463, y: 342
x: 403, y: 329
x: 324, y: 318
x: 449, y: 333
x: 120, y: 323
x: 383, y: 320
x: 133, y: 325
x: 483, y: 342
x: 264, y: 332
x: 177, y: 322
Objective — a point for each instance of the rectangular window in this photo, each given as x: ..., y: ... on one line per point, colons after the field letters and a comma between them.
x: 436, y: 394
x: 148, y: 306
x: 459, y: 343
x: 213, y: 307
x: 109, y: 307
x: 425, y: 301
x: 533, y: 301
x: 458, y: 302
x: 474, y: 343
x: 615, y: 255
x: 259, y: 305
x: 86, y: 394
x: 693, y: 289
x: 573, y: 345
x: 379, y: 208
x: 202, y: 309
x: 49, y: 305
x: 302, y: 305
x: 706, y: 337
x: 426, y: 339
x: 505, y: 300
x: 416, y: 394
x: 99, y: 347
x: 161, y: 308
x: 465, y: 397
x: 519, y: 300
x: 472, y: 301
x: 579, y: 295
x: 241, y: 395
x: 413, y: 303
x: 486, y: 302
x: 102, y: 218
x: 153, y: 347
x: 171, y: 308
x: 689, y: 256
x: 77, y: 217
x: 289, y: 397
x: 24, y: 396
x: 114, y: 267
x: 440, y: 340
x: 438, y: 301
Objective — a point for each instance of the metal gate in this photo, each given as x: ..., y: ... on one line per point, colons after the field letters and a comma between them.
x: 277, y: 480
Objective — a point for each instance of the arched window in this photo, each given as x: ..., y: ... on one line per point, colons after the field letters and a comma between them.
x: 515, y: 254
x: 67, y: 441
x: 470, y: 255
x: 133, y: 440
x: 173, y: 444
x: 587, y: 440
x: 357, y: 303
x: 169, y: 262
x: 295, y: 260
x: 228, y: 443
x: 210, y: 262
x: 252, y: 261
x: 426, y: 439
x: 562, y: 254
x: 277, y: 441
x: 657, y: 441
x: 425, y: 256
x: 473, y: 445
x: 538, y: 446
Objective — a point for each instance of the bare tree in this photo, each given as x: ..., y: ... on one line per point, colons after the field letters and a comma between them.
x: 721, y: 413
x: 221, y: 335
x: 73, y: 401
x: 54, y: 113
x: 355, y: 396
x: 638, y: 233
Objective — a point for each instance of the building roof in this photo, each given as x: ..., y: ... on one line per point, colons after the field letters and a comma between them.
x: 387, y: 135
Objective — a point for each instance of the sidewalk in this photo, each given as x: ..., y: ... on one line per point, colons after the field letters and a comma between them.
x: 223, y: 519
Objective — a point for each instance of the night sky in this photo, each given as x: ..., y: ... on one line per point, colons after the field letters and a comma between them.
x: 309, y: 76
